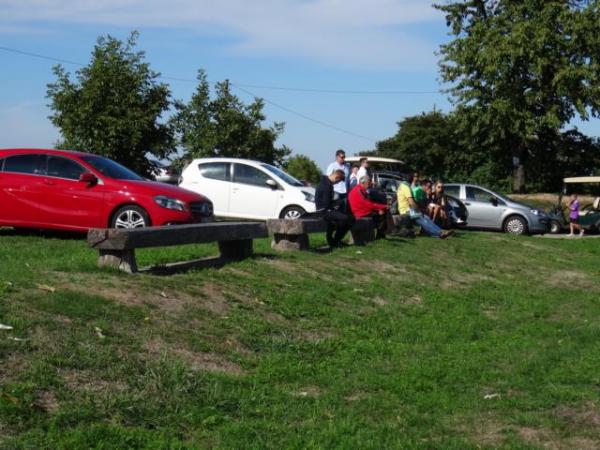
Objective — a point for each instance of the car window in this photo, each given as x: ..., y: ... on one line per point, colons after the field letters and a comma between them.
x: 479, y: 195
x: 388, y: 185
x: 111, y: 168
x: 63, y: 168
x: 454, y: 191
x: 215, y: 170
x: 283, y: 175
x: 250, y: 175
x: 30, y: 163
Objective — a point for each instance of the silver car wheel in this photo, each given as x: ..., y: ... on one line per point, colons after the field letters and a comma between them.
x: 130, y: 218
x: 515, y: 226
x: 292, y: 214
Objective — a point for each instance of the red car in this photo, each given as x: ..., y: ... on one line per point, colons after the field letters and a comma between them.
x: 76, y: 191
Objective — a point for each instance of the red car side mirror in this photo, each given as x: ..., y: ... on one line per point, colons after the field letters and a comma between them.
x: 88, y: 177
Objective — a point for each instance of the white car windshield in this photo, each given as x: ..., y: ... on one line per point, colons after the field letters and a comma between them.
x: 284, y: 176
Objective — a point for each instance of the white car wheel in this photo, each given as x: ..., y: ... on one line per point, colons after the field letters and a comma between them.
x: 292, y: 212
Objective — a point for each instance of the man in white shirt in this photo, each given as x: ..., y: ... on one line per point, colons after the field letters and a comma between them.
x: 363, y: 171
x: 340, y: 189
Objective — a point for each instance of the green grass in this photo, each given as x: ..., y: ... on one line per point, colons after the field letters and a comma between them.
x: 394, y: 345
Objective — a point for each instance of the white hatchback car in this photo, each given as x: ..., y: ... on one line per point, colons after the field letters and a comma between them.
x: 248, y: 189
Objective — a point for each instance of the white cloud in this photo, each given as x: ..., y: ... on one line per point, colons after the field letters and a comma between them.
x: 347, y: 32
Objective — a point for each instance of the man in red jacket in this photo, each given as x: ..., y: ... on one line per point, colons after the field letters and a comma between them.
x: 362, y: 206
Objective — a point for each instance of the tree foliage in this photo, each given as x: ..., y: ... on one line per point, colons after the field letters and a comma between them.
x: 225, y: 126
x: 114, y: 106
x: 435, y: 145
x: 521, y: 70
x: 303, y: 168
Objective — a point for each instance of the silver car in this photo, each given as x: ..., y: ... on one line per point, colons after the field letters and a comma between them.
x: 490, y: 210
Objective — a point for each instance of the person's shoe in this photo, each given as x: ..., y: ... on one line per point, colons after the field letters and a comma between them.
x: 570, y: 235
x: 581, y: 233
x: 446, y: 234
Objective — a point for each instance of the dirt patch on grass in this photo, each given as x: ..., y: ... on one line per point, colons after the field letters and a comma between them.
x: 463, y: 280
x: 571, y: 279
x: 46, y: 400
x: 12, y: 366
x: 315, y: 335
x: 586, y: 416
x: 127, y: 292
x: 85, y: 380
x: 196, y: 361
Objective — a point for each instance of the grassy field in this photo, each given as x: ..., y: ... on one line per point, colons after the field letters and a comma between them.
x: 479, y: 341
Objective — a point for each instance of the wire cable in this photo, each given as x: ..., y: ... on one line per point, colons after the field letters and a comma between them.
x: 304, y: 116
x: 240, y: 87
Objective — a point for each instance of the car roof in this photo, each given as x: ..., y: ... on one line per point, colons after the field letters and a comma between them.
x: 48, y: 151
x: 373, y: 159
x: 230, y: 160
x: 582, y: 180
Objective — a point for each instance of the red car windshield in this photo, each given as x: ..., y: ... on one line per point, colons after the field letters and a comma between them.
x: 111, y: 169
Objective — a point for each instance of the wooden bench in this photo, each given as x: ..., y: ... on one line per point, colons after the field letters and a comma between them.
x: 292, y: 234
x: 116, y: 247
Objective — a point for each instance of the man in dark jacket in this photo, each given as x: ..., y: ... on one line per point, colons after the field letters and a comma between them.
x: 337, y: 221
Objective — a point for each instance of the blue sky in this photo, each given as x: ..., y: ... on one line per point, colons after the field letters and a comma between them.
x: 355, y: 45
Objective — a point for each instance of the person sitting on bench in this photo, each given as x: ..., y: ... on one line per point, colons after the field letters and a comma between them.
x: 337, y: 221
x: 362, y: 206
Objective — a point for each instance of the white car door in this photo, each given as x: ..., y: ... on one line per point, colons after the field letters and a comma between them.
x: 251, y: 196
x: 214, y: 181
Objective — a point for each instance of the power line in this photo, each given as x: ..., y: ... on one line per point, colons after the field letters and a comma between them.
x: 337, y: 91
x: 304, y: 116
x: 238, y: 86
x: 37, y: 55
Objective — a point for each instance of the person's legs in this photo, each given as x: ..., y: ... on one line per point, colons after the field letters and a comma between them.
x: 429, y: 227
x: 339, y: 222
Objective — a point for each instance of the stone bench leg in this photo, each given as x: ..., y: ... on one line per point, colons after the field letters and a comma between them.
x: 119, y: 259
x: 362, y: 237
x: 290, y: 242
x: 236, y: 250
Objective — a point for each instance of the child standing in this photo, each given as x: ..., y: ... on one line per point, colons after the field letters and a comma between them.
x: 574, y: 215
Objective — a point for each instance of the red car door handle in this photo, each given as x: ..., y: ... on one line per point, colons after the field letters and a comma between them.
x: 50, y: 182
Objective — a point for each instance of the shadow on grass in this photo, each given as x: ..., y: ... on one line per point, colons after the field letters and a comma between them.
x: 211, y: 262
x: 50, y: 234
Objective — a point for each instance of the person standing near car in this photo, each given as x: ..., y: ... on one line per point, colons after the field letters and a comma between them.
x: 574, y: 216
x: 363, y: 170
x: 340, y: 188
x: 337, y: 221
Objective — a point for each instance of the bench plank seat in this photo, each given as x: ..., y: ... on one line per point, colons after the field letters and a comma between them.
x: 116, y: 247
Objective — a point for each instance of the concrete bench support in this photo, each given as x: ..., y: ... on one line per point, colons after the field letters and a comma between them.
x: 292, y: 234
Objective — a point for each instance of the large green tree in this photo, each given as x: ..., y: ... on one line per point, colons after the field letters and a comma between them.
x: 431, y: 144
x: 303, y: 168
x: 225, y: 126
x: 114, y: 106
x: 520, y: 71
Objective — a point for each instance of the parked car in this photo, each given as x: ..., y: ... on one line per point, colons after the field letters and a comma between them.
x: 163, y: 172
x: 75, y: 191
x: 490, y: 210
x: 248, y: 189
x: 589, y: 215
